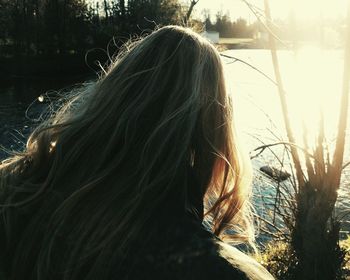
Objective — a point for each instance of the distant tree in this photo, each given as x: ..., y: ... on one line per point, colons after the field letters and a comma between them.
x: 145, y: 14
x: 5, y: 8
x: 223, y: 25
x: 21, y: 22
x: 106, y: 9
x: 209, y: 26
x: 65, y: 24
x: 50, y: 27
x: 119, y: 14
x: 240, y: 28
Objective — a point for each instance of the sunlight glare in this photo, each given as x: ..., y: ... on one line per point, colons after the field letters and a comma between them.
x: 281, y: 9
x: 314, y: 89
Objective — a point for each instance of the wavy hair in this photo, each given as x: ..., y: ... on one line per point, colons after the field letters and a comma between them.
x: 122, y: 152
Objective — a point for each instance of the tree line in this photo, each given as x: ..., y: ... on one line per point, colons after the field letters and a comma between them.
x: 50, y: 27
x: 227, y: 28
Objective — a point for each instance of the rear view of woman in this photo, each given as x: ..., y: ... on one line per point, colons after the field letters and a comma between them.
x: 116, y: 185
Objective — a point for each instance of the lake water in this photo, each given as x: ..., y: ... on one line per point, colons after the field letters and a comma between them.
x: 312, y: 79
x: 313, y: 82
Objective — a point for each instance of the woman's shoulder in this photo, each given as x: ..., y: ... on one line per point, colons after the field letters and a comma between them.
x: 199, y: 255
x: 211, y: 257
x: 221, y: 261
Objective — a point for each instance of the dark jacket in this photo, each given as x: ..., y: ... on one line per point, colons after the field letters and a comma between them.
x: 186, y: 251
x: 190, y: 252
x: 174, y: 246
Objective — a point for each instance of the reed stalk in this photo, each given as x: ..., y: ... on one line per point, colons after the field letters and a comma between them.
x: 315, y: 231
x: 344, y: 104
x: 282, y: 96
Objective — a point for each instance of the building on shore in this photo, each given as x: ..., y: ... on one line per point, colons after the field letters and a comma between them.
x: 212, y: 36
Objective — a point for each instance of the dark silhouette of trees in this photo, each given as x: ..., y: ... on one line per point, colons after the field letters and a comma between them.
x: 65, y: 26
x: 229, y: 29
x: 145, y: 14
x: 241, y: 27
x: 5, y: 20
x: 223, y: 25
x: 33, y: 27
x: 60, y: 27
x: 208, y: 24
x: 41, y: 35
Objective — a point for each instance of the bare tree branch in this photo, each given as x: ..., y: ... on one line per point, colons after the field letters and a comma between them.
x: 263, y: 147
x: 258, y: 16
x: 189, y: 12
x: 251, y: 66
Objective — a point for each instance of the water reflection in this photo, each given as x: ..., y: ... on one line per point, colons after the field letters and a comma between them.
x: 20, y: 109
x: 312, y: 79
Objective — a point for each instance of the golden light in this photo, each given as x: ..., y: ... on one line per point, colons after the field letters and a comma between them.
x: 304, y: 9
x: 313, y: 83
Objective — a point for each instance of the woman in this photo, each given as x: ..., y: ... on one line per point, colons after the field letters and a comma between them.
x: 113, y: 186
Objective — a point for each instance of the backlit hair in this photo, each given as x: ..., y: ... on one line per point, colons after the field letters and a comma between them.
x: 122, y: 151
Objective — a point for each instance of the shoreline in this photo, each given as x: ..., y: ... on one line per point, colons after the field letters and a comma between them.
x: 78, y: 65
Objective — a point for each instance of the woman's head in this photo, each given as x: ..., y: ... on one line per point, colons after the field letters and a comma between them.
x: 153, y: 135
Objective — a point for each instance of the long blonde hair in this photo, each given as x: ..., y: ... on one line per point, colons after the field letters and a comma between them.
x: 98, y: 172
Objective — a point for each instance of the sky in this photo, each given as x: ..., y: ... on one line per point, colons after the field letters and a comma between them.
x: 281, y: 9
x: 304, y: 9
